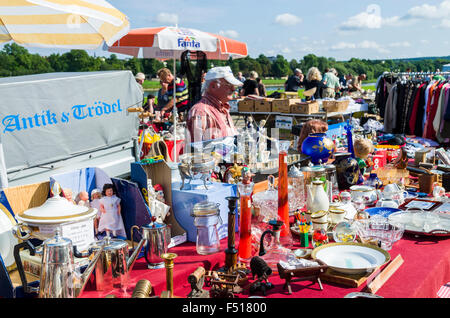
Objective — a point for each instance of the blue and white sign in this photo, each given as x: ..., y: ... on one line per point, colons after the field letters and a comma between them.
x: 49, y: 117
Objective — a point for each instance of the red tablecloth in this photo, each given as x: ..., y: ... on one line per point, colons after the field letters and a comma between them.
x: 425, y: 269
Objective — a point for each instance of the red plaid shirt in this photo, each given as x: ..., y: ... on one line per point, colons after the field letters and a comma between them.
x: 210, y: 119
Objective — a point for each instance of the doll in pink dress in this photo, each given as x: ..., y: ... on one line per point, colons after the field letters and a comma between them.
x: 111, y: 218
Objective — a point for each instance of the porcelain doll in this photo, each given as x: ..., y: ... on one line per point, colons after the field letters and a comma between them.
x: 83, y: 199
x: 96, y: 195
x: 111, y: 218
x: 68, y: 195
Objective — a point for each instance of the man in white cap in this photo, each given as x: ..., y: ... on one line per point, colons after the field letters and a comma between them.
x: 210, y: 118
x: 140, y: 78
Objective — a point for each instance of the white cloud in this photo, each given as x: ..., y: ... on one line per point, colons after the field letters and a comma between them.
x: 363, y: 20
x: 167, y: 18
x: 445, y: 23
x: 366, y: 45
x: 229, y: 33
x: 400, y: 44
x: 427, y: 11
x: 287, y: 19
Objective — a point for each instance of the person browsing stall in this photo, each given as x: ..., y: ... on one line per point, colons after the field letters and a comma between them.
x: 250, y: 86
x: 294, y: 82
x: 181, y: 91
x: 331, y: 84
x: 210, y: 118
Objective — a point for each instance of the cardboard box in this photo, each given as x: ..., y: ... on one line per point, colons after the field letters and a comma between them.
x: 284, y: 105
x: 305, y: 108
x: 263, y: 106
x: 159, y: 173
x: 246, y: 105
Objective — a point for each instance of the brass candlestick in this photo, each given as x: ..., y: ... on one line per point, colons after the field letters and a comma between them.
x: 231, y: 251
x: 168, y: 263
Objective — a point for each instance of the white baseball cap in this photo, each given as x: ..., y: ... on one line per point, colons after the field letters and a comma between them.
x: 140, y: 76
x: 222, y: 72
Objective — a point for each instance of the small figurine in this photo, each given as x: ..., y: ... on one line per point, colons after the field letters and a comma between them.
x: 159, y: 193
x: 362, y: 148
x: 82, y: 199
x: 67, y: 193
x: 111, y: 219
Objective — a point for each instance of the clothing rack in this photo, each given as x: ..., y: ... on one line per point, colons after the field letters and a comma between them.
x: 415, y: 73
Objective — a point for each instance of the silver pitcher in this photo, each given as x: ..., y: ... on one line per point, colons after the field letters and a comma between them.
x: 114, y: 264
x: 158, y: 239
x: 59, y: 277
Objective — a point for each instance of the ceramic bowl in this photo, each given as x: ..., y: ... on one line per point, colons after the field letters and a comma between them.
x: 319, y: 217
x: 336, y: 215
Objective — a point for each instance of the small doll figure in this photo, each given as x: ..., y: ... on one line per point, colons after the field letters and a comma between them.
x: 362, y: 148
x: 96, y: 195
x: 83, y: 199
x: 159, y: 193
x: 111, y: 219
x: 68, y: 195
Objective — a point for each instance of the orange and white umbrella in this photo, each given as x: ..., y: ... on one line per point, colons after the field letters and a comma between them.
x: 171, y: 42
x: 69, y: 24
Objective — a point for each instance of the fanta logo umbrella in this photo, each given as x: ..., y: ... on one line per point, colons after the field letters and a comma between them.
x: 171, y: 42
x: 71, y: 24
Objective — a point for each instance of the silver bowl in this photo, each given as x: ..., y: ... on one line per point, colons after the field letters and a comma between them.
x: 196, y: 167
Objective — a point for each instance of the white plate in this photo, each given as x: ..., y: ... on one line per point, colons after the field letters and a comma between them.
x: 351, y: 258
x: 7, y: 238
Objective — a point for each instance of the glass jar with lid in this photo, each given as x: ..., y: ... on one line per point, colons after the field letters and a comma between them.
x: 206, y: 218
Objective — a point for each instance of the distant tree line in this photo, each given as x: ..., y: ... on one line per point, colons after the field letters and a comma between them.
x: 15, y: 60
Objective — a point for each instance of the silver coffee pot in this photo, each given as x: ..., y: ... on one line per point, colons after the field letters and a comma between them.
x: 59, y: 277
x: 114, y: 264
x: 158, y: 238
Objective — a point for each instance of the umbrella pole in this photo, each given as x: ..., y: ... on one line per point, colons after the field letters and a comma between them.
x: 175, y: 112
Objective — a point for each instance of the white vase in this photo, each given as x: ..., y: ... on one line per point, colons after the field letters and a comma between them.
x: 320, y: 200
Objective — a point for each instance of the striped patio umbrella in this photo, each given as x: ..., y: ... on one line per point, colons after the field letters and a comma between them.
x: 69, y: 24
x: 171, y: 42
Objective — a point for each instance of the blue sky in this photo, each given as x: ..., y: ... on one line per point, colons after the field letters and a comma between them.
x: 294, y: 28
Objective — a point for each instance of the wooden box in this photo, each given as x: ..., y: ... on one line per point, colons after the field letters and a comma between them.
x: 263, y: 106
x: 331, y: 106
x: 310, y: 107
x: 284, y: 105
x: 246, y: 105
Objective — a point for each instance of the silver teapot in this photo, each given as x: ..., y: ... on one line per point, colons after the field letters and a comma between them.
x: 196, y: 166
x: 114, y: 264
x: 59, y: 278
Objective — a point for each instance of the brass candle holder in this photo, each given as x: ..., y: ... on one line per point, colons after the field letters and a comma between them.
x: 168, y: 264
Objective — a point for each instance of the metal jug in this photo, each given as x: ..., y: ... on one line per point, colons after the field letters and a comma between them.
x: 114, y: 264
x: 59, y: 278
x: 158, y: 239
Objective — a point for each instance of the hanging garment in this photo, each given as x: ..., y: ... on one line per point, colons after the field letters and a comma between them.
x: 415, y: 109
x: 430, y: 133
x: 429, y: 98
x: 418, y: 130
x: 439, y: 111
x: 390, y: 115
